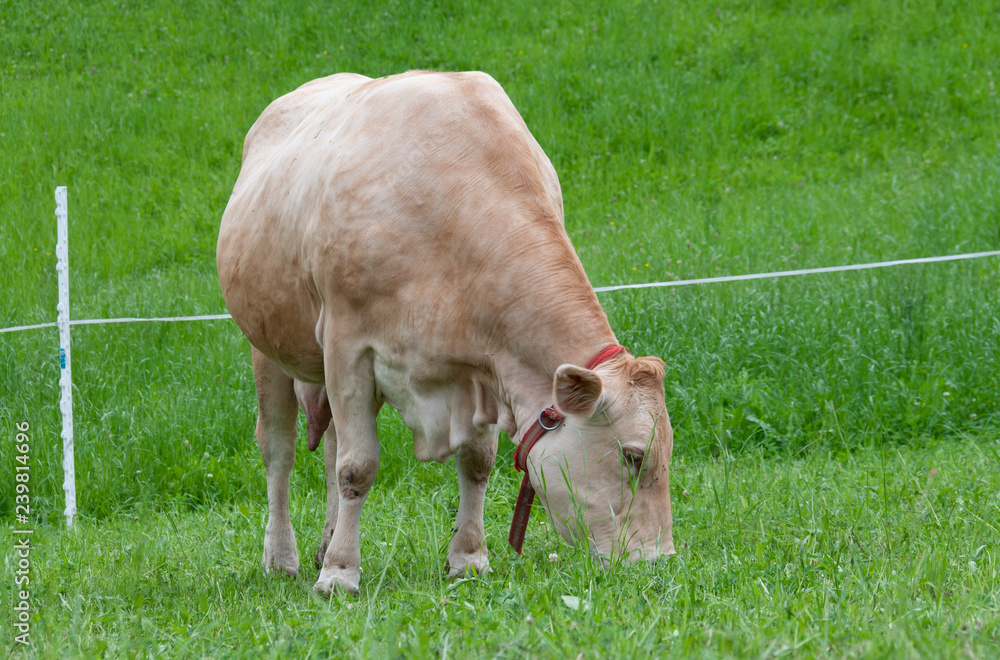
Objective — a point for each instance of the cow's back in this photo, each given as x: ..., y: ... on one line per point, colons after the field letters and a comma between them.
x: 409, y: 206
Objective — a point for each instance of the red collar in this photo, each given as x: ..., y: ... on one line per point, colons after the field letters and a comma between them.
x: 548, y: 420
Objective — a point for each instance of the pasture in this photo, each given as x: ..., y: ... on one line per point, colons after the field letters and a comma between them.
x: 836, y: 471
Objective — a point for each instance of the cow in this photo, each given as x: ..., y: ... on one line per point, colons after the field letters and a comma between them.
x: 400, y: 240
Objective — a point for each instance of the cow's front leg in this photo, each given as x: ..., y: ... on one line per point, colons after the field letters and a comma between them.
x: 276, y: 417
x: 350, y: 387
x: 474, y: 462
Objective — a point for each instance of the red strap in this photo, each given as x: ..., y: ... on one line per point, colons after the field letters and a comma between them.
x: 522, y: 513
x: 606, y: 354
x: 548, y: 420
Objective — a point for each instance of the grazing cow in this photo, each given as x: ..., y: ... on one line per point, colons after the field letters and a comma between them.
x: 401, y: 241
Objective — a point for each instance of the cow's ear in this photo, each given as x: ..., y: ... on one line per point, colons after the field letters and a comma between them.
x: 577, y: 390
x: 646, y: 372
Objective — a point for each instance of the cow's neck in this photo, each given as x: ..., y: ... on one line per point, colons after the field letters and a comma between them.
x: 536, y: 312
x: 525, y: 390
x: 571, y: 328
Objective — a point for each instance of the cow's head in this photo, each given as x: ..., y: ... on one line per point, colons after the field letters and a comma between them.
x: 603, y: 474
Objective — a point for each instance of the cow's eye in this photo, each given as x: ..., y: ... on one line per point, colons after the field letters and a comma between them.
x: 633, y: 457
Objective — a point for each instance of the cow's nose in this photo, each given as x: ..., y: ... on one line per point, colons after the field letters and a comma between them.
x: 645, y: 554
x: 653, y: 553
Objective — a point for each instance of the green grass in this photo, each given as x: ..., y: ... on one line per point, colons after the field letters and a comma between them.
x: 873, y: 553
x: 835, y: 480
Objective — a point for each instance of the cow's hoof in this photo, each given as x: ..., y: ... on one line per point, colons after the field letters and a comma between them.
x: 476, y: 563
x: 281, y: 554
x: 277, y: 567
x: 338, y: 580
x: 274, y: 565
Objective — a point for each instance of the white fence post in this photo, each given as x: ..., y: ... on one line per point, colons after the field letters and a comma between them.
x: 65, y: 378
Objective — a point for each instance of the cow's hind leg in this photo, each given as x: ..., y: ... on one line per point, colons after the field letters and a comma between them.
x: 319, y: 426
x: 276, y: 418
x: 332, y: 493
x: 474, y: 462
x: 351, y: 391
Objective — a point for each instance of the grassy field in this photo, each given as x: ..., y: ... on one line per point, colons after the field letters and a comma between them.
x: 836, y: 475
